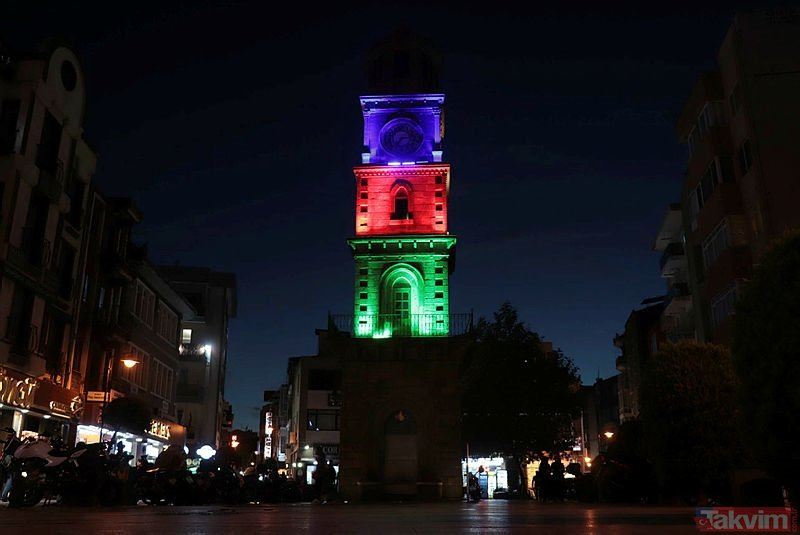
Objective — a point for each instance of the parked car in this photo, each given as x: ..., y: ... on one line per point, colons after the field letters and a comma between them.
x: 500, y: 493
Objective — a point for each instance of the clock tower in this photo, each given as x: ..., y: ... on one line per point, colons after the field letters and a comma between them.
x: 399, y: 426
x: 403, y: 250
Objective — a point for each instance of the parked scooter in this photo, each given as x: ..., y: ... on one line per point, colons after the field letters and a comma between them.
x: 38, y: 470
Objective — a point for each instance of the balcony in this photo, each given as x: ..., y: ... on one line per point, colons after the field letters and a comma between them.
x: 672, y: 259
x: 22, y: 337
x: 32, y: 254
x: 51, y: 181
x: 194, y: 353
x: 678, y: 299
x: 401, y: 325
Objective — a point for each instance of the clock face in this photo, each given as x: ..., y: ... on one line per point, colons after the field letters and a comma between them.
x: 401, y: 137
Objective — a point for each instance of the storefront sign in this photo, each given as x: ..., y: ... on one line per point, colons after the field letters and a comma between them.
x: 159, y: 429
x: 57, y: 399
x: 17, y: 390
x: 329, y: 449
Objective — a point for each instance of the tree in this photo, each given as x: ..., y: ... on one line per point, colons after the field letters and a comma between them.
x: 517, y: 399
x: 688, y: 408
x: 766, y: 357
x: 126, y: 414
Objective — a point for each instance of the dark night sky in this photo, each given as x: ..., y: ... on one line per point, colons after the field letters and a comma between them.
x: 235, y: 126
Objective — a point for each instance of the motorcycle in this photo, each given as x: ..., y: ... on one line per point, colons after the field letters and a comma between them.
x: 38, y: 470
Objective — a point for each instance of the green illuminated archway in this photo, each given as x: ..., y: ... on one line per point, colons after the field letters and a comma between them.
x: 401, y: 288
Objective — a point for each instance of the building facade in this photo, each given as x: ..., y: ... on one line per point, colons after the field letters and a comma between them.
x: 46, y: 166
x: 128, y: 313
x: 741, y: 124
x: 203, y: 355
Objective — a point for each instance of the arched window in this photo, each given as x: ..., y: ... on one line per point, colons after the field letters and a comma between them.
x: 401, y: 204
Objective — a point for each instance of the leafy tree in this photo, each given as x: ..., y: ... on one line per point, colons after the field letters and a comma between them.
x: 766, y: 357
x: 688, y: 409
x: 517, y: 399
x: 126, y: 414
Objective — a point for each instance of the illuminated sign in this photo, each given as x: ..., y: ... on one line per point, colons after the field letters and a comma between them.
x: 159, y: 429
x: 268, y: 435
x: 17, y: 392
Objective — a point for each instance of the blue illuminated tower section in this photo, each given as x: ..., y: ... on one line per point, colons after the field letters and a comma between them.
x: 403, y: 251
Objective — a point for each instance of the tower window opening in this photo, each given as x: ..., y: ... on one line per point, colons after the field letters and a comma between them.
x: 401, y: 205
x: 439, y: 179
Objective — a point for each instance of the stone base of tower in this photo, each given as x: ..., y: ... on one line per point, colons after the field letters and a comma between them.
x: 400, y: 432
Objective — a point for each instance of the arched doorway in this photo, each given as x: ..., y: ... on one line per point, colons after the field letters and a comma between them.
x: 401, y: 286
x: 400, y: 460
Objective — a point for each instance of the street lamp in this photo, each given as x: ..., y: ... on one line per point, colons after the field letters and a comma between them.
x: 127, y: 361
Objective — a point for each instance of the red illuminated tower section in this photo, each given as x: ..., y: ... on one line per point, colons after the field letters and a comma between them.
x: 409, y: 200
x: 402, y: 248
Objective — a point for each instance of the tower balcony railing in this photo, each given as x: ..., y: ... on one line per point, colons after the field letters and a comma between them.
x: 401, y: 325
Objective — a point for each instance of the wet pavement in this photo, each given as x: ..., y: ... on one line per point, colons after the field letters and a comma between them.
x: 489, y: 516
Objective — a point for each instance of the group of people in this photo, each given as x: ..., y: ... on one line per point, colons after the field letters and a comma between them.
x: 548, y: 482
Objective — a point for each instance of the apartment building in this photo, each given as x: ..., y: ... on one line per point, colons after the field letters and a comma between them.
x: 741, y: 125
x: 46, y: 166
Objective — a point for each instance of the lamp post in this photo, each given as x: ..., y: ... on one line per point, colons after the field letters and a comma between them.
x: 128, y: 362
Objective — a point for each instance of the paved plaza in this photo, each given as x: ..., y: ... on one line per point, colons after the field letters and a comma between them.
x: 490, y: 516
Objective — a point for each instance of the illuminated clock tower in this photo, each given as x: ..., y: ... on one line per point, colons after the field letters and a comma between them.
x: 399, y: 425
x: 402, y: 248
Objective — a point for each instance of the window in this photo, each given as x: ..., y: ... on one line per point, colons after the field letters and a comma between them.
x: 439, y: 270
x: 401, y: 205
x: 438, y: 295
x: 324, y: 379
x: 735, y: 100
x: 323, y: 420
x: 186, y: 336
x: 362, y: 308
x: 439, y: 179
x: 162, y: 380
x: 401, y: 298
x: 167, y: 325
x: 691, y: 141
x: 716, y: 243
x: 745, y: 157
x: 439, y: 193
x: 723, y: 306
x: 364, y: 195
x: 439, y: 207
x: 363, y: 181
x: 402, y: 63
x: 439, y: 282
x: 144, y: 304
x: 138, y: 374
x: 362, y: 284
x: 9, y: 112
x: 363, y: 271
x: 362, y: 296
x: 363, y: 209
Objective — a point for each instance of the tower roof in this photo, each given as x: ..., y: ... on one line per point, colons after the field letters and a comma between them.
x: 403, y: 62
